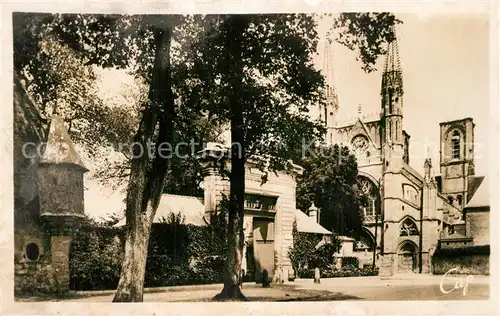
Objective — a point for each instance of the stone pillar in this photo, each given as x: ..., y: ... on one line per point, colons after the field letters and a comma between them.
x: 60, y: 247
x: 386, y: 266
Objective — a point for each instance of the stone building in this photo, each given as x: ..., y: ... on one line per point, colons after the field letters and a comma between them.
x: 409, y: 213
x: 270, y: 211
x: 48, y: 197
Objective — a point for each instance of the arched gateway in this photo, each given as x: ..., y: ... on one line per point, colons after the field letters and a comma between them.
x: 407, y: 257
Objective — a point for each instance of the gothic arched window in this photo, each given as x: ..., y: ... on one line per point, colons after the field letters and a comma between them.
x: 408, y: 228
x: 455, y: 145
x: 369, y: 190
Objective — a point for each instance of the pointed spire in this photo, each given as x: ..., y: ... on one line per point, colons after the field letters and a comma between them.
x: 393, y: 74
x: 59, y: 149
x: 332, y: 101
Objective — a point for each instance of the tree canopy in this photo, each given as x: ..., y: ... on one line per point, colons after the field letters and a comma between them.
x: 330, y: 181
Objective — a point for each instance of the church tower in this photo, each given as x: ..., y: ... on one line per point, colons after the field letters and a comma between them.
x: 329, y: 111
x: 392, y: 151
x: 392, y: 104
x: 457, y: 160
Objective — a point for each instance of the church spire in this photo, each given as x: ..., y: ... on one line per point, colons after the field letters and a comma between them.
x: 392, y: 76
x: 328, y: 113
x: 392, y: 98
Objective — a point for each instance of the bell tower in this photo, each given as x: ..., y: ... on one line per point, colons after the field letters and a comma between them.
x: 329, y: 111
x: 391, y: 93
x: 457, y: 159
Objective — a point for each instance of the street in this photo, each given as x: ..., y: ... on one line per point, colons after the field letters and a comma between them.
x: 410, y: 287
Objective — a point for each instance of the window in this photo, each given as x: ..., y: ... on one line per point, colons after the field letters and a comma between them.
x: 450, y: 199
x: 455, y: 145
x: 408, y: 228
x: 390, y: 100
x: 369, y: 190
x: 32, y: 251
x: 459, y: 199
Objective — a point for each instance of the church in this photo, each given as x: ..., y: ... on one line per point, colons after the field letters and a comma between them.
x: 410, y: 214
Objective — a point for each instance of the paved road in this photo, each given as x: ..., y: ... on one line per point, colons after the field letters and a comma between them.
x: 362, y: 288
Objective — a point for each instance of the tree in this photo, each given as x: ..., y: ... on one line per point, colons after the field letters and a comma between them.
x: 118, y: 41
x: 330, y: 181
x: 262, y: 86
x: 261, y: 80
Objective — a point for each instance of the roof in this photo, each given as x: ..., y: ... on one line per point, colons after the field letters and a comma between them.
x: 60, y: 148
x: 190, y: 207
x: 306, y: 224
x: 473, y: 185
x: 481, y: 196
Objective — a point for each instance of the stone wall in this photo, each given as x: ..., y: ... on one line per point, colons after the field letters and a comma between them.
x: 477, y: 225
x: 472, y: 264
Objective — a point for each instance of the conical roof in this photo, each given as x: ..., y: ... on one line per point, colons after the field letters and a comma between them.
x: 59, y: 149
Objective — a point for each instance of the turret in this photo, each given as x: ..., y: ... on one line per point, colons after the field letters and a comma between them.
x: 60, y: 186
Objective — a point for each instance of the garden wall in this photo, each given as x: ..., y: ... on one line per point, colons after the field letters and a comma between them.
x: 467, y: 260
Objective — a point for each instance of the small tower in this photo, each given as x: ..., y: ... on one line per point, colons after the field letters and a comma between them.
x: 328, y: 112
x: 457, y: 159
x: 61, y: 192
x: 392, y: 100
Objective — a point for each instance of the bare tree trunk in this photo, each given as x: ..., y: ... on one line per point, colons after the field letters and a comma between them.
x: 235, y: 233
x: 147, y: 175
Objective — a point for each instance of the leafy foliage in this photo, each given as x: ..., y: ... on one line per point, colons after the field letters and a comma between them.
x: 179, y: 254
x: 365, y: 33
x: 350, y: 261
x: 349, y: 271
x: 96, y: 257
x: 306, y: 255
x: 330, y: 181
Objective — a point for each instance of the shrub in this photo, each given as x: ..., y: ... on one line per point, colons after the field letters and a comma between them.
x: 350, y: 261
x: 178, y: 254
x: 349, y: 271
x: 95, y: 259
x: 304, y: 254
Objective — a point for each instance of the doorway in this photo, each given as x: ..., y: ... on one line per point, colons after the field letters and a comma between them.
x: 407, y: 257
x: 263, y: 247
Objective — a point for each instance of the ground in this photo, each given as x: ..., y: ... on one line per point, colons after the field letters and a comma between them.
x: 411, y: 287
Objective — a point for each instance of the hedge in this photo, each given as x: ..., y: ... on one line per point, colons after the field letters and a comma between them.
x: 349, y: 271
x: 178, y: 254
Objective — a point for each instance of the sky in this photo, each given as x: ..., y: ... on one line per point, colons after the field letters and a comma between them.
x: 445, y: 62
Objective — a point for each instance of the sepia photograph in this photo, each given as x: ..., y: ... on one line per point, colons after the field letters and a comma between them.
x: 291, y: 157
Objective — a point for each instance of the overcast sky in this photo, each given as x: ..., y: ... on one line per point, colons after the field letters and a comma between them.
x: 445, y: 73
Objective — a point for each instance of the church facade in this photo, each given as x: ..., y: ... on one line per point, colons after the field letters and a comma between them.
x: 409, y: 212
